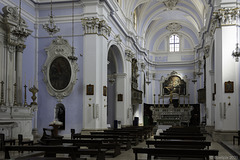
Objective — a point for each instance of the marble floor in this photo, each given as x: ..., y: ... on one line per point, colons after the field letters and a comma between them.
x: 223, y: 148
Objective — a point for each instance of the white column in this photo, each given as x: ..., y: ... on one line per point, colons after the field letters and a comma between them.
x: 95, y: 73
x: 226, y: 69
x: 10, y: 75
x: 121, y: 106
x: 128, y: 91
x: 19, y: 55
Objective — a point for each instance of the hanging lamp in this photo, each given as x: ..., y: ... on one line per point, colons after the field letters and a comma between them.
x: 148, y: 79
x: 50, y: 26
x: 72, y: 57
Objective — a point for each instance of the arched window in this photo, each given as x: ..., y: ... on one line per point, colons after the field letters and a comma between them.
x: 174, y: 43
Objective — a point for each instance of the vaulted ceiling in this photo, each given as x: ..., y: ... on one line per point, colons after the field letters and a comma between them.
x: 154, y: 16
x: 156, y: 19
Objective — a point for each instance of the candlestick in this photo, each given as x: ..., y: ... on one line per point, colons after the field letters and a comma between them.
x: 25, y: 95
x: 188, y: 100
x: 15, y: 94
x: 2, y: 94
x: 159, y: 100
x: 34, y: 90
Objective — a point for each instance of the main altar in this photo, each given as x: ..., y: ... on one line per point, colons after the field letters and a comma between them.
x: 172, y: 116
x: 174, y: 89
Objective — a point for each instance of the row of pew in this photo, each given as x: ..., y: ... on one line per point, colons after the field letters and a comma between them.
x: 180, y: 142
x: 109, y: 142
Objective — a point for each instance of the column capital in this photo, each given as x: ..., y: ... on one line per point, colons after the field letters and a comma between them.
x: 95, y: 26
x: 226, y: 16
x: 21, y: 47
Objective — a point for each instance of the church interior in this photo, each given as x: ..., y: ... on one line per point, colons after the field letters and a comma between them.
x: 72, y: 67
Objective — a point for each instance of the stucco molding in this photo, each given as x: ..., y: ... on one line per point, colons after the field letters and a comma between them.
x: 174, y: 27
x: 16, y: 26
x: 170, y: 4
x: 59, y: 48
x: 226, y: 16
x: 95, y: 26
x: 129, y: 55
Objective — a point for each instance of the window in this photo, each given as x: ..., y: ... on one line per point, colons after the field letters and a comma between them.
x: 174, y: 43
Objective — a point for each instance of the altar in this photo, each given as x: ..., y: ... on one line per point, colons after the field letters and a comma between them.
x: 172, y: 116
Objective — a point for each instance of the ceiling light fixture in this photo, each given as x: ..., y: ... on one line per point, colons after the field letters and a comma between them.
x: 50, y: 26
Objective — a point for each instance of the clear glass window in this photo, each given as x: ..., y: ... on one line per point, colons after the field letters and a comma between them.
x: 174, y: 43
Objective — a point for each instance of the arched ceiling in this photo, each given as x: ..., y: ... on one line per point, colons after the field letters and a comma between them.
x: 153, y: 16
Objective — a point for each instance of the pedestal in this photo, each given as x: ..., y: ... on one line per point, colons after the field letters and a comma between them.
x: 55, y: 125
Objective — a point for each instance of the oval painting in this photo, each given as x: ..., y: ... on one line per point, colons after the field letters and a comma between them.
x: 60, y: 73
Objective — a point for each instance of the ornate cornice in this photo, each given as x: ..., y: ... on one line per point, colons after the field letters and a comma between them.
x: 95, y: 26
x: 174, y: 27
x: 17, y: 31
x: 226, y: 16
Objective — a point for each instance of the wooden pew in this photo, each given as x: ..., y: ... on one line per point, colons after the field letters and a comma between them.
x: 123, y: 139
x: 181, y: 134
x: 133, y: 134
x: 113, y: 149
x: 147, y: 131
x: 4, y: 141
x: 184, y: 129
x: 179, y: 144
x: 180, y: 153
x: 139, y: 130
x: 94, y: 147
x: 50, y: 151
x: 202, y: 138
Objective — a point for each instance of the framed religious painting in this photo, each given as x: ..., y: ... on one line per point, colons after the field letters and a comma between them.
x: 90, y: 89
x: 60, y: 74
x: 104, y: 90
x: 120, y: 97
x: 228, y: 86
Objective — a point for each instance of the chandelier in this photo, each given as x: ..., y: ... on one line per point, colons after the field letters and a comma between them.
x: 148, y: 74
x: 72, y: 57
x: 50, y: 26
x: 236, y: 52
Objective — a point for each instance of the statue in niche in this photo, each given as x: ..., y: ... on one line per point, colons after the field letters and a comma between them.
x: 60, y: 115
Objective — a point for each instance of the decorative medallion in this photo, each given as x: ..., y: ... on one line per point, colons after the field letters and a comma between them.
x: 170, y: 4
x: 174, y: 27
